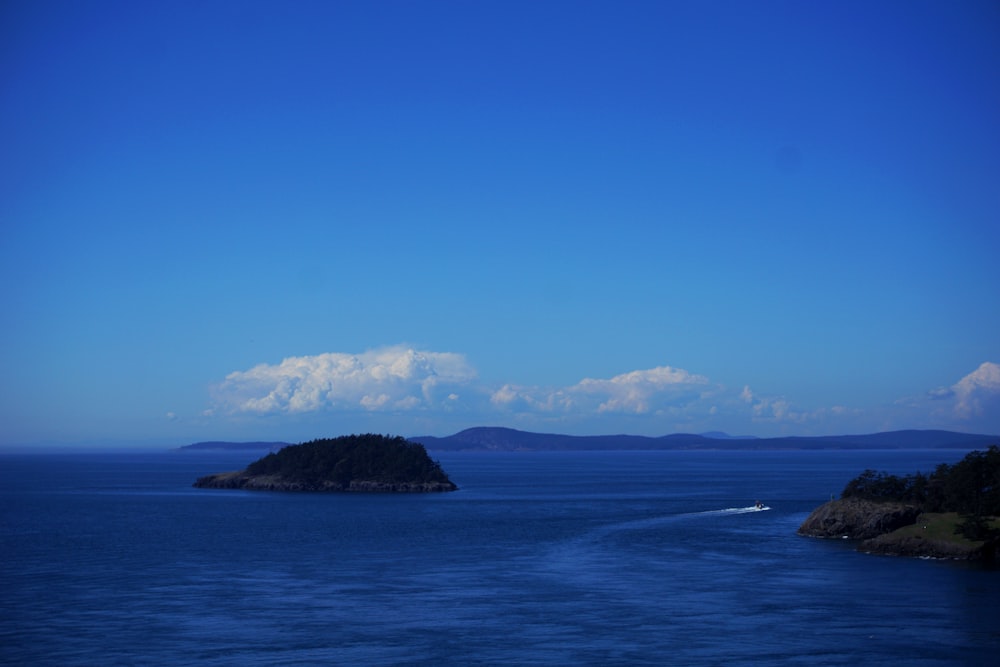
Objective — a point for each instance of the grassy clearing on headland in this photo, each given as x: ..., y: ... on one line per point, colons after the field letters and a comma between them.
x: 942, y: 527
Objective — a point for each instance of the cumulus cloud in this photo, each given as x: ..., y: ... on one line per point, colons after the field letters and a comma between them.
x: 388, y: 379
x: 636, y: 392
x: 972, y: 403
x: 645, y: 391
x: 771, y: 408
x: 978, y: 391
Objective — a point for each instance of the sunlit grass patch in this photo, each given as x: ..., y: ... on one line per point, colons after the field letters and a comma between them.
x: 942, y: 527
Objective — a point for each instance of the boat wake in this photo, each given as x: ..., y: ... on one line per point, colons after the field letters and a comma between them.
x: 733, y: 510
x: 654, y: 522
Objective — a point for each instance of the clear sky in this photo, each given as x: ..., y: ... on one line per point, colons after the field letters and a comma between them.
x: 286, y: 220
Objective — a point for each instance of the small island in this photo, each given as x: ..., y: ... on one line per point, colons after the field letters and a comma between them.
x: 952, y: 513
x: 358, y: 463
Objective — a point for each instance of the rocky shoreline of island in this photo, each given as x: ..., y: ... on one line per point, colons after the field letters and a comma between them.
x: 239, y: 479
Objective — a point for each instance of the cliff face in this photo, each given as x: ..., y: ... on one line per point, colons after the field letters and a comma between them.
x: 857, y: 519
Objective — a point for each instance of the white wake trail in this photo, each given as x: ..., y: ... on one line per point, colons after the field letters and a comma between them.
x: 653, y: 522
x: 732, y: 510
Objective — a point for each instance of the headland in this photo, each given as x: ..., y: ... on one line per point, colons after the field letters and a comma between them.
x: 953, y: 513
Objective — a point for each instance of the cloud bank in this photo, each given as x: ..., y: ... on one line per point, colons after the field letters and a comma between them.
x: 401, y: 380
x: 388, y: 379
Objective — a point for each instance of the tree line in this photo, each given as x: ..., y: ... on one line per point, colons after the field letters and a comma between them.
x: 379, y: 458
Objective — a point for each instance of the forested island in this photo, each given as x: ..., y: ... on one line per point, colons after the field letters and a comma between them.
x: 953, y: 512
x: 360, y: 463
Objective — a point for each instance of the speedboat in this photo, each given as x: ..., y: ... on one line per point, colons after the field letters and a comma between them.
x: 758, y: 505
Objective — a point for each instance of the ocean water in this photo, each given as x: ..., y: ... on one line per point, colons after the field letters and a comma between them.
x: 569, y: 558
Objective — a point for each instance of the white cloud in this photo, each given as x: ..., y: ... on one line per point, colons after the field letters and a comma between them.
x: 772, y: 408
x: 641, y: 392
x: 971, y: 404
x: 637, y: 392
x: 392, y: 378
x: 978, y: 391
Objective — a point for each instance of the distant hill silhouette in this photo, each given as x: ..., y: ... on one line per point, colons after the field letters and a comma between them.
x: 219, y: 444
x: 508, y: 439
x: 719, y: 435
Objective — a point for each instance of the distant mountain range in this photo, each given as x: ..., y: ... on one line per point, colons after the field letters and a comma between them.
x: 507, y: 439
x: 488, y: 438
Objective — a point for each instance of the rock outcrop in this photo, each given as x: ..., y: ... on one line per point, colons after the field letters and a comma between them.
x: 917, y: 546
x: 895, y: 529
x: 858, y: 519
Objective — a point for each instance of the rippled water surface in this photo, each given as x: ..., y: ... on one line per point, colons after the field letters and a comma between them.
x: 596, y: 558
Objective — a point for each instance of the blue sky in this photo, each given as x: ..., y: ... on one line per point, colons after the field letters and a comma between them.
x: 281, y: 220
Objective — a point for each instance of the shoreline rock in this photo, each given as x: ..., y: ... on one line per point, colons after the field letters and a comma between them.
x: 916, y: 546
x: 858, y: 519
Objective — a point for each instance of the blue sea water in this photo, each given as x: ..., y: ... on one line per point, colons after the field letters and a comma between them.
x: 569, y: 558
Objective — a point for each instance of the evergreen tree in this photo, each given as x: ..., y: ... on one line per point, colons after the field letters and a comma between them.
x: 970, y: 487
